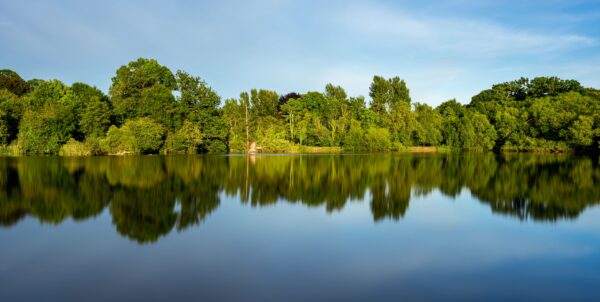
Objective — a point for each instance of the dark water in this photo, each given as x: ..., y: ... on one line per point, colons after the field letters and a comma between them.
x: 308, y: 228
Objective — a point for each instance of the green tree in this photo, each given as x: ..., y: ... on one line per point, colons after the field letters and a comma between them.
x: 144, y: 88
x: 140, y: 136
x: 484, y: 134
x: 452, y: 113
x: 201, y: 105
x: 44, y: 131
x: 581, y: 131
x: 355, y: 138
x: 385, y: 94
x: 95, y: 118
x: 5, y: 132
x: 233, y: 115
x: 378, y: 139
x: 187, y: 139
x: 264, y: 102
x: 12, y: 108
x: 12, y: 82
x: 428, y: 124
x: 335, y: 92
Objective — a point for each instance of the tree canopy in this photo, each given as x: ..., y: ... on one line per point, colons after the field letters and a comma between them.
x: 181, y: 113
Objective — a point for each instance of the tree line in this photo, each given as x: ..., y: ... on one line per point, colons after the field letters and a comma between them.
x: 150, y: 109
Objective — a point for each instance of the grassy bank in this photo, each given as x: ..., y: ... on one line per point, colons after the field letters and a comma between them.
x: 73, y: 148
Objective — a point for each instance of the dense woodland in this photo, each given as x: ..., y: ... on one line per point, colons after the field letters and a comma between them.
x: 150, y: 109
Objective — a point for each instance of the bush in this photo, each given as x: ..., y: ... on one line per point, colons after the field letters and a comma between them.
x: 378, y: 139
x: 75, y: 148
x: 355, y: 138
x: 271, y: 138
x: 10, y: 150
x: 214, y: 146
x: 186, y: 140
x: 140, y: 136
x: 45, y: 131
x: 4, y: 128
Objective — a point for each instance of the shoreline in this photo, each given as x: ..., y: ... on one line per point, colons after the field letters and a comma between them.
x: 336, y: 150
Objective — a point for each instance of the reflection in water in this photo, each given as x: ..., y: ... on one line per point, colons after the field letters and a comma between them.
x: 148, y: 196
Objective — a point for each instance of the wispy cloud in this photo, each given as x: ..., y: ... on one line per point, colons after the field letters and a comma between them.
x: 443, y: 49
x: 467, y: 36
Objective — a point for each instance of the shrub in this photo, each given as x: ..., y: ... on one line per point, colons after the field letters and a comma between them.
x: 140, y: 135
x: 75, y: 148
x: 271, y: 138
x: 378, y: 139
x: 355, y: 138
x: 186, y: 140
x: 45, y: 131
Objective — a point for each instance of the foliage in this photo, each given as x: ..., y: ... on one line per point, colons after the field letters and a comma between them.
x: 46, y: 130
x: 378, y: 139
x: 12, y: 82
x: 150, y: 109
x: 75, y: 148
x: 186, y: 140
x: 138, y: 136
x: 385, y: 94
x: 95, y: 118
x: 143, y: 88
x: 428, y: 126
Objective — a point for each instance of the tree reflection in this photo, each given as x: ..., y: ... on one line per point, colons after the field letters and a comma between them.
x: 150, y: 196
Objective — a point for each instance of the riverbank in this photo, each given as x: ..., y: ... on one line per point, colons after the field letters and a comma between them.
x: 12, y: 150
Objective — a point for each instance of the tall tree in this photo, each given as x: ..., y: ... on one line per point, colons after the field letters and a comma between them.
x: 143, y: 88
x: 200, y: 104
x: 387, y: 93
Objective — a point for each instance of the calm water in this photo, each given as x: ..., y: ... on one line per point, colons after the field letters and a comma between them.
x: 318, y: 227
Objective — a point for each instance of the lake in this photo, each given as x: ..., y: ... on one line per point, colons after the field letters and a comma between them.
x: 390, y: 227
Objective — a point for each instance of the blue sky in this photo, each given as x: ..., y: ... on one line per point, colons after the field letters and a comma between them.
x: 443, y: 49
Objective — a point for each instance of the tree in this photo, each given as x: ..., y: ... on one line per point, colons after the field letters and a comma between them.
x: 12, y: 82
x: 378, y: 139
x: 95, y: 118
x: 302, y: 127
x: 551, y: 86
x: 385, y: 94
x: 143, y: 88
x: 48, y: 92
x: 245, y: 103
x: 452, y: 113
x: 201, y: 105
x: 481, y: 134
x: 401, y: 123
x: 5, y: 133
x: 233, y: 115
x: 140, y: 136
x: 285, y: 98
x: 508, y: 126
x: 264, y: 102
x: 46, y: 130
x: 12, y: 108
x: 187, y: 139
x: 355, y: 138
x: 428, y: 124
x: 581, y: 131
x: 335, y: 92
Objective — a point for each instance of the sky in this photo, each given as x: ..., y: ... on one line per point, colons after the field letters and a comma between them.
x: 442, y: 49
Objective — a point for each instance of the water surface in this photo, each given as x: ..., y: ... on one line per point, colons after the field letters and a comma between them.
x: 302, y: 227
